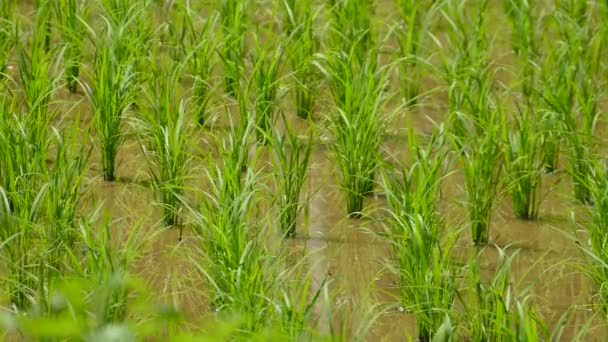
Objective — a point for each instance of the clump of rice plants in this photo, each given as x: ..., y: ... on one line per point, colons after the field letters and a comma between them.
x: 233, y: 16
x: 358, y: 124
x: 264, y: 84
x: 481, y: 166
x: 72, y: 16
x: 414, y: 231
x: 112, y: 93
x: 164, y: 138
x: 524, y: 164
x: 291, y: 158
x: 302, y: 46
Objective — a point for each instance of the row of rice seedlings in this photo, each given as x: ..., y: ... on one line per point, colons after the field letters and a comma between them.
x: 264, y: 85
x: 359, y: 122
x: 351, y: 27
x: 164, y: 137
x: 523, y: 39
x: 493, y: 312
x: 482, y: 173
x: 234, y: 19
x: 202, y: 44
x: 524, y: 162
x: 415, y: 233
x: 71, y: 18
x: 291, y: 157
x: 114, y: 87
x: 302, y: 46
x: 415, y: 19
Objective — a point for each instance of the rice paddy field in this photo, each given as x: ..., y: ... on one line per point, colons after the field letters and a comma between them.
x: 303, y: 170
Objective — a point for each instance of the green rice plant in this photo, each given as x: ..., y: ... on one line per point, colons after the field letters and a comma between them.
x: 524, y: 163
x: 482, y: 172
x: 414, y: 22
x: 202, y: 44
x: 423, y: 267
x: 113, y: 91
x: 71, y: 16
x: 416, y: 189
x: 6, y: 33
x: 523, y: 40
x: 164, y: 138
x: 264, y: 84
x: 352, y: 27
x: 302, y: 46
x: 291, y: 158
x: 36, y: 78
x: 492, y: 310
x: 233, y: 258
x: 597, y: 246
x: 233, y: 16
x: 44, y: 22
x: 414, y: 231
x: 358, y: 124
x: 466, y: 68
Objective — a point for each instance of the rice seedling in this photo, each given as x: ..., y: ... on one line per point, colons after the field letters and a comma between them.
x: 44, y: 21
x: 523, y: 163
x: 233, y: 16
x: 358, y: 125
x: 164, y: 138
x: 492, y: 310
x: 352, y: 27
x: 414, y: 21
x: 467, y: 70
x: 35, y: 75
x: 302, y: 46
x: 482, y: 171
x: 264, y: 85
x: 202, y: 44
x: 113, y: 91
x: 523, y: 31
x: 414, y: 231
x: 291, y: 158
x: 71, y: 17
x: 6, y: 33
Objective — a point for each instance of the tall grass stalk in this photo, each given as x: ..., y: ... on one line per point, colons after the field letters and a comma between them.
x: 302, y: 46
x: 70, y: 16
x: 358, y: 124
x: 482, y: 171
x: 114, y: 88
x: 164, y: 137
x: 291, y: 159
x: 524, y: 163
x: 6, y: 33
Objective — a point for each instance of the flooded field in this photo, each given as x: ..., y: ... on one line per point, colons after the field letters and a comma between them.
x: 315, y: 170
